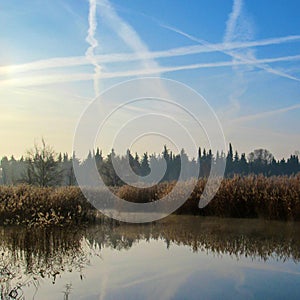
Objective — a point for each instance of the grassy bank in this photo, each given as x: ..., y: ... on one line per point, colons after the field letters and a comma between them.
x: 30, y: 205
x: 239, y: 197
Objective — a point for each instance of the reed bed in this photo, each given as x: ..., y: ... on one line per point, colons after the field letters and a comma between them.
x: 272, y: 198
x: 43, y: 206
x: 269, y: 198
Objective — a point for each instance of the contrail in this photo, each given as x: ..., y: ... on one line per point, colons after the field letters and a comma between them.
x: 266, y: 114
x: 132, y: 39
x: 127, y: 34
x: 76, y: 61
x: 90, y: 54
x: 251, y: 61
x: 59, y: 78
x: 236, y: 29
x: 232, y: 21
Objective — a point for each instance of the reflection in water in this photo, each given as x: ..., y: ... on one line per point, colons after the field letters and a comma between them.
x: 30, y: 255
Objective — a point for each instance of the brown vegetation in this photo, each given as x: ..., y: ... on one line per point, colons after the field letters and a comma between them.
x: 276, y: 197
x: 31, y: 205
x: 238, y: 197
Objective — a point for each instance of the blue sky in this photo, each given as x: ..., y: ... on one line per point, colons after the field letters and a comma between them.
x: 242, y: 56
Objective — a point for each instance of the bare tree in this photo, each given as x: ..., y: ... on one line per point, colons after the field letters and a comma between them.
x: 260, y: 156
x: 43, y: 167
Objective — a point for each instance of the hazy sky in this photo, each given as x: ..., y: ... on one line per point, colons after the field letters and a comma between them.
x: 242, y: 56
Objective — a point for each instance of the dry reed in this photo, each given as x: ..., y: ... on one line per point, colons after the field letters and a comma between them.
x: 238, y: 197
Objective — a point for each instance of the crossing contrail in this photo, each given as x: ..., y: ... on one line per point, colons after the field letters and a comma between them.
x: 77, y: 61
x: 90, y: 53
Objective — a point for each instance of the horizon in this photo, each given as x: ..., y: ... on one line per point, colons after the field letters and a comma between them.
x: 170, y: 150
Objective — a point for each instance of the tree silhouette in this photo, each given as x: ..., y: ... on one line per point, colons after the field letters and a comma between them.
x: 42, y: 166
x: 145, y: 168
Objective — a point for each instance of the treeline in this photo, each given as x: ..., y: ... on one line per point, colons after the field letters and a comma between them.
x: 42, y: 166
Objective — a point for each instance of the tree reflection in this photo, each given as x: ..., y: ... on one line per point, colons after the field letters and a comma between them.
x: 29, y: 255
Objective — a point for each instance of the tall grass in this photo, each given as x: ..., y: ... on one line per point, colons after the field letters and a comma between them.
x: 30, y: 205
x: 238, y: 197
x: 251, y: 196
x: 275, y: 198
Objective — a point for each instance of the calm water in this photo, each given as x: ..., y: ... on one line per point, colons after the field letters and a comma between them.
x: 176, y: 258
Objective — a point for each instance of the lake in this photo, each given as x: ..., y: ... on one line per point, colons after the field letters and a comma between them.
x: 180, y: 257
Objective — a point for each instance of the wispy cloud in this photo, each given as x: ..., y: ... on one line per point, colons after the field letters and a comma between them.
x: 90, y: 53
x: 61, y: 78
x: 230, y: 32
x: 127, y: 33
x: 141, y: 53
x: 238, y: 28
x: 248, y: 59
x: 77, y: 61
x: 48, y: 93
x: 265, y: 114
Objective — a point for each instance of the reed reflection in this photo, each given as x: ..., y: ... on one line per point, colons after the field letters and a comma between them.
x: 30, y: 255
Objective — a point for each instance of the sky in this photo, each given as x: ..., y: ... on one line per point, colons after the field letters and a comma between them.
x: 242, y: 56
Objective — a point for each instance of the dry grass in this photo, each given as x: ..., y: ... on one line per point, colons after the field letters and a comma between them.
x: 275, y: 198
x: 31, y: 205
x: 239, y: 197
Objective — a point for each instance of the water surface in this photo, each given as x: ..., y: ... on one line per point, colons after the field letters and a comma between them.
x: 177, y: 258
